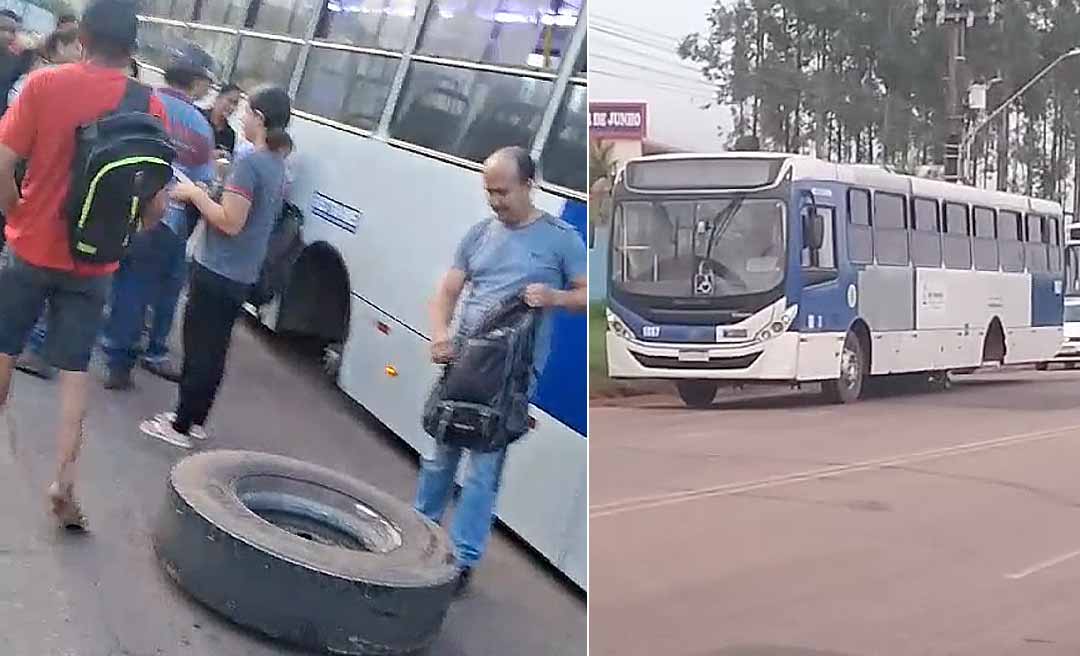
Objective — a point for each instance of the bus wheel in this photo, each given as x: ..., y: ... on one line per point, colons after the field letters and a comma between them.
x: 940, y: 381
x: 331, y: 360
x: 697, y: 393
x: 849, y: 386
x: 1042, y: 366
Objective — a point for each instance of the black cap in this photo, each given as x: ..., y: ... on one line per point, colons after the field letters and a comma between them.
x: 112, y: 21
x: 193, y: 59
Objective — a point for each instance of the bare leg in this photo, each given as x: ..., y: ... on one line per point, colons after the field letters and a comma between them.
x: 7, y: 367
x: 74, y: 392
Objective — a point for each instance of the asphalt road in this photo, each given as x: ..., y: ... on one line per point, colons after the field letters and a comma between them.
x: 913, y: 523
x: 105, y: 595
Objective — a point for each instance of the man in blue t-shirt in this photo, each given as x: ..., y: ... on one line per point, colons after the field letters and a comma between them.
x: 153, y: 272
x: 522, y: 250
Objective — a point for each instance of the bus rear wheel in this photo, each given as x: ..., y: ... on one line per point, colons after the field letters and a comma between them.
x: 697, y: 393
x: 849, y: 386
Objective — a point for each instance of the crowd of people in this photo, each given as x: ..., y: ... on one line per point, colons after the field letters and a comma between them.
x: 55, y: 309
x: 209, y: 231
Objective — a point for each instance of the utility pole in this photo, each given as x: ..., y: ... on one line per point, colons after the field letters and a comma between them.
x: 956, y: 16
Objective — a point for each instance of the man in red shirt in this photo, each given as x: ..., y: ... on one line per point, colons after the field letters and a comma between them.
x: 38, y: 266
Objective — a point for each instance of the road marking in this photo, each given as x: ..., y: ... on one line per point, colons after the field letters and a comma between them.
x: 729, y: 489
x: 1046, y: 564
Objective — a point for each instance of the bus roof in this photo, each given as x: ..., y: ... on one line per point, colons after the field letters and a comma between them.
x: 805, y: 167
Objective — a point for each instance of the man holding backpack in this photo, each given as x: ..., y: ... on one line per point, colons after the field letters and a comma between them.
x: 522, y: 250
x: 66, y: 235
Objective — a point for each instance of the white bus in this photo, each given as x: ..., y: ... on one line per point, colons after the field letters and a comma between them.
x: 1069, y: 355
x: 397, y: 102
x: 768, y: 267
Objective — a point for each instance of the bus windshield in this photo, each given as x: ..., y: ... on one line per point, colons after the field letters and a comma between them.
x: 714, y: 248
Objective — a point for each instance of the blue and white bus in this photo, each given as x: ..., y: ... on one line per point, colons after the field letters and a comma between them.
x: 769, y: 267
x: 397, y: 103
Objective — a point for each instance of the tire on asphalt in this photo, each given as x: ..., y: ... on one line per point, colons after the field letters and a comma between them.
x: 849, y: 386
x: 345, y: 568
x: 697, y: 393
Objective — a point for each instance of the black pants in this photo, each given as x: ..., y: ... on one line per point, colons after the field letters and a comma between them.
x: 214, y: 302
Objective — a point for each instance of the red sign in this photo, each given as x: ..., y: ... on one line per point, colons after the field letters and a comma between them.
x: 617, y: 121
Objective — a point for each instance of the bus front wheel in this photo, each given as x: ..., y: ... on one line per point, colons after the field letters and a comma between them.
x: 849, y: 386
x: 697, y: 393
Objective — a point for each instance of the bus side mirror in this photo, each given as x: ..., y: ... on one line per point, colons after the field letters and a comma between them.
x: 813, y: 228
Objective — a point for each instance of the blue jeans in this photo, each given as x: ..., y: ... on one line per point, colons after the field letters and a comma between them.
x: 36, y: 343
x: 476, y: 506
x: 151, y: 276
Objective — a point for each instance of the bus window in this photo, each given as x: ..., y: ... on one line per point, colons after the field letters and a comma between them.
x: 220, y: 46
x: 1034, y: 248
x: 984, y: 247
x: 1010, y: 245
x: 1053, y: 239
x: 381, y: 24
x: 345, y: 86
x: 528, y: 33
x: 157, y: 42
x: 956, y: 240
x: 564, y: 159
x: 820, y: 265
x: 926, y: 238
x: 228, y: 13
x: 289, y: 17
x: 860, y: 237
x: 265, y: 61
x: 468, y: 113
x: 890, y: 229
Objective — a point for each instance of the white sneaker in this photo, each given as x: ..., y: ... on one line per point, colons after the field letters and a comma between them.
x: 164, y: 431
x: 198, y: 432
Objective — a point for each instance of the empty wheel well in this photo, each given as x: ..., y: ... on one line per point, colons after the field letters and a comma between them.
x: 994, y: 343
x: 317, y: 300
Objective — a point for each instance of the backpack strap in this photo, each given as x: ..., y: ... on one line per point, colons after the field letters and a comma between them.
x: 136, y: 98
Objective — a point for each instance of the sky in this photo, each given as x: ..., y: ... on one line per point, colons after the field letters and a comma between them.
x: 631, y: 57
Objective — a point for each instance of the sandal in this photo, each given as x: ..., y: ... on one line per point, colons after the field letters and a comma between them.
x: 66, y: 509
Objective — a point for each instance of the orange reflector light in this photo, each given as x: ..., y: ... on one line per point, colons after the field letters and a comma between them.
x: 391, y: 371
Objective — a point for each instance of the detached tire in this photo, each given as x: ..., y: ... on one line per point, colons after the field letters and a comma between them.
x: 304, y: 554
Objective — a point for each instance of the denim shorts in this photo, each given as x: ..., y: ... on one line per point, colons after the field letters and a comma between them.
x: 74, y: 317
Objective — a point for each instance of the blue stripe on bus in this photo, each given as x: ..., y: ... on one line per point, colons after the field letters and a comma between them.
x: 562, y: 391
x: 1047, y: 306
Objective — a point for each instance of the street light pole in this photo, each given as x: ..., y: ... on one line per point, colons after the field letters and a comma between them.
x: 969, y: 138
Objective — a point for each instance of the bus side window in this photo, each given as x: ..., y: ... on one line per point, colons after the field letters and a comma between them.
x: 926, y: 236
x: 1052, y: 236
x: 820, y: 265
x: 957, y: 237
x: 1010, y: 242
x: 1035, y: 248
x: 860, y: 234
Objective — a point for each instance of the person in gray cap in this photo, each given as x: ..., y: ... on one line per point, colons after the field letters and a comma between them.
x: 153, y: 273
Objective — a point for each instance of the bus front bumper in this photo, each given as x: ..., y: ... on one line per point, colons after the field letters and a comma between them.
x: 773, y: 360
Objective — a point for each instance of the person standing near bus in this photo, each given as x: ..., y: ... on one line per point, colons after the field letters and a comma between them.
x: 522, y: 247
x: 228, y: 256
x: 152, y: 274
x: 218, y: 115
x: 38, y: 265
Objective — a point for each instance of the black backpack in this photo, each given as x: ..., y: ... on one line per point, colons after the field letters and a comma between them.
x: 481, y: 400
x: 122, y: 160
x: 282, y: 251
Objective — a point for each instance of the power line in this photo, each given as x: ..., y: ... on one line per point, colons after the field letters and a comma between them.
x: 668, y: 86
x: 680, y: 65
x: 665, y: 46
x: 630, y: 26
x: 669, y: 51
x: 641, y: 67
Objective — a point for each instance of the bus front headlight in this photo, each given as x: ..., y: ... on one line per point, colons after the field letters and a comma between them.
x: 779, y: 324
x: 616, y: 326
